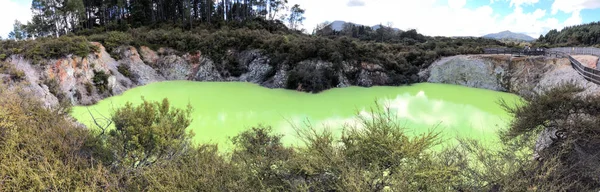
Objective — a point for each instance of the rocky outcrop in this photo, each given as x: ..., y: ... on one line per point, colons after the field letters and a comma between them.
x: 73, y: 76
x: 470, y: 71
x: 86, y: 80
x: 257, y: 65
x: 32, y: 82
x: 519, y: 75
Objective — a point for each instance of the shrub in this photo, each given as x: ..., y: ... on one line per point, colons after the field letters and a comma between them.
x: 149, y: 133
x: 54, y: 88
x: 14, y: 73
x: 89, y: 87
x: 100, y: 80
x: 309, y: 77
x: 570, y: 122
x: 113, y: 39
x: 124, y: 70
x: 48, y: 47
x: 41, y: 149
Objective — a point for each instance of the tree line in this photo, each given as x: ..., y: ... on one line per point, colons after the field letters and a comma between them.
x: 578, y: 35
x: 61, y: 17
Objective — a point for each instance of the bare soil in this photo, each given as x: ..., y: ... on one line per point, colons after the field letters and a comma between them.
x: 587, y: 60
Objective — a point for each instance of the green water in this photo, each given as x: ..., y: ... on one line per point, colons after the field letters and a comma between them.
x: 224, y: 109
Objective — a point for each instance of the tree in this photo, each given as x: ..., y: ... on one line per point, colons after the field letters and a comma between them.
x: 347, y: 29
x: 148, y: 133
x: 296, y: 16
x: 18, y: 32
x: 275, y: 6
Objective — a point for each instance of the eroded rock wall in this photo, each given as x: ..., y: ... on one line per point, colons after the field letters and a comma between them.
x: 80, y: 80
x: 520, y: 75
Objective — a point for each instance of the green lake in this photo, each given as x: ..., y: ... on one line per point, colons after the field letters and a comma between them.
x: 224, y: 109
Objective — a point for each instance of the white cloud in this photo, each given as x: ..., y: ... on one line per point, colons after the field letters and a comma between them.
x: 437, y: 17
x: 11, y: 11
x: 457, y: 4
x: 430, y: 17
x: 518, y: 3
x: 570, y: 6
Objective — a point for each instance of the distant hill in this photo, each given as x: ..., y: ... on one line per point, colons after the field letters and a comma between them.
x: 508, y: 35
x: 339, y: 26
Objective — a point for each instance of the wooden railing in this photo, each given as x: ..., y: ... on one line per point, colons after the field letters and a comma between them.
x: 517, y: 52
x: 590, y: 74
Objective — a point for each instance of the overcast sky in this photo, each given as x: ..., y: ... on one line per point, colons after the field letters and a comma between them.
x: 430, y: 17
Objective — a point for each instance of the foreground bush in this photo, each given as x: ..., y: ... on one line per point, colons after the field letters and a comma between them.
x: 149, y: 150
x: 42, y: 150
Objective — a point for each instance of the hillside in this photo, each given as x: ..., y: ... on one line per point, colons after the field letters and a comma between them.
x: 508, y: 35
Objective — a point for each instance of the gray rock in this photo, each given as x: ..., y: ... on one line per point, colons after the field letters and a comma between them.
x: 33, y: 80
x: 467, y: 71
x: 141, y: 73
x: 207, y: 71
x: 368, y: 79
x: 256, y: 64
x: 279, y: 80
x: 173, y: 67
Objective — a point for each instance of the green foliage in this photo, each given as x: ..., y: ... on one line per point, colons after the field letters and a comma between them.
x: 41, y: 149
x: 569, y: 122
x: 263, y: 159
x: 14, y: 73
x: 113, y: 39
x: 100, y: 80
x: 18, y: 32
x: 149, y: 133
x: 578, y: 35
x: 47, y: 48
x: 89, y: 88
x: 310, y: 77
x: 124, y: 70
x: 374, y: 155
x: 55, y: 89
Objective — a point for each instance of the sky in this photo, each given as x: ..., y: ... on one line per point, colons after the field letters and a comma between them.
x: 455, y: 17
x: 429, y: 17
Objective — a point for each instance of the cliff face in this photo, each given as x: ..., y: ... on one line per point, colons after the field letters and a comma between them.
x: 519, y: 75
x: 99, y: 75
x: 84, y: 81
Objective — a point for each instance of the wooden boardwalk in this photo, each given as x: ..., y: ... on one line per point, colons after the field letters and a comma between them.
x: 591, y: 74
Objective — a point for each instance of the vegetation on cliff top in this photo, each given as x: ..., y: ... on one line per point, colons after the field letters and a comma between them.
x: 578, y: 35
